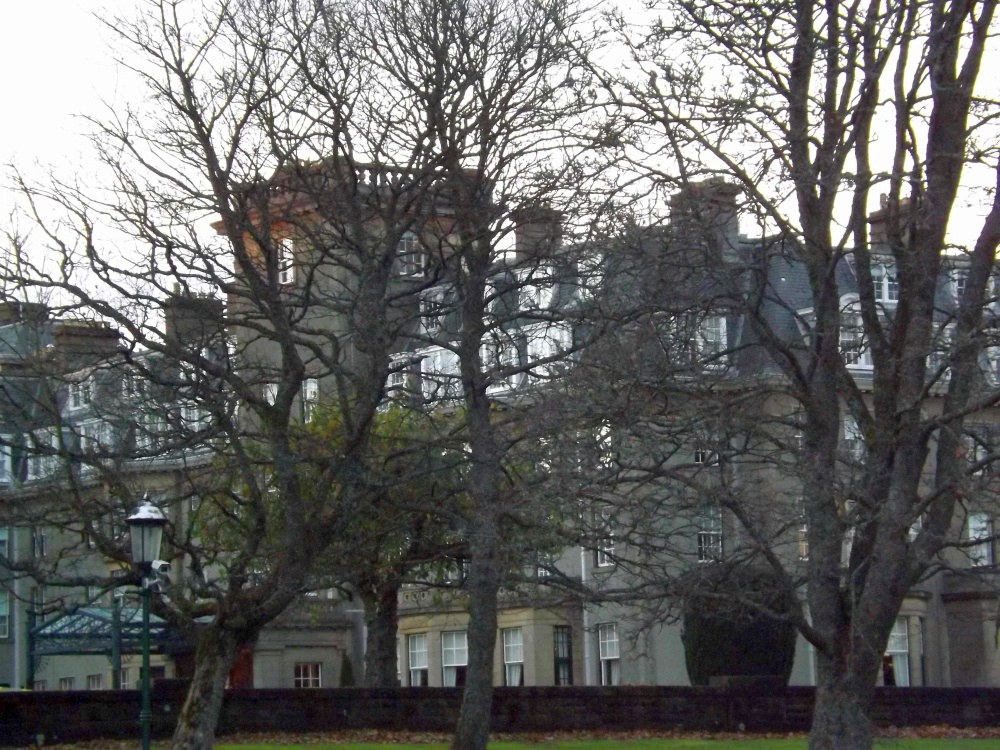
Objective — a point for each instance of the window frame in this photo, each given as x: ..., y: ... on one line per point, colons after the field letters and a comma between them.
x: 513, y: 656
x: 310, y: 398
x: 79, y: 395
x: 604, y: 546
x: 897, y: 654
x: 5, y: 631
x: 307, y: 675
x: 562, y: 654
x: 979, y: 528
x: 609, y: 653
x: 415, y: 669
x: 450, y: 655
x: 410, y: 260
x: 284, y: 248
x: 710, y: 535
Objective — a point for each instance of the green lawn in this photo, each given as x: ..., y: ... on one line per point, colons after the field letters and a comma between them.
x: 653, y: 744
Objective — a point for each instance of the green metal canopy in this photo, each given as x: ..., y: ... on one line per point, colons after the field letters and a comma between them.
x: 93, y: 630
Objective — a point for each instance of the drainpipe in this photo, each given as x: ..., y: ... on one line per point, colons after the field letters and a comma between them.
x: 588, y: 637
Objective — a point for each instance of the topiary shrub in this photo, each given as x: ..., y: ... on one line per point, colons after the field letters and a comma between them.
x: 346, y: 672
x: 725, y: 635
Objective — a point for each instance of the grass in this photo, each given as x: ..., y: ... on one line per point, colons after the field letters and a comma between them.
x: 782, y: 744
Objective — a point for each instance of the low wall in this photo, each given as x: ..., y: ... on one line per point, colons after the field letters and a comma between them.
x: 54, y: 717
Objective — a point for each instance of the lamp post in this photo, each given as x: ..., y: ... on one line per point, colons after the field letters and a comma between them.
x: 146, y: 531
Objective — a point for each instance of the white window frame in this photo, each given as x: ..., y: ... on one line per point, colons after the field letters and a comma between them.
x: 308, y: 675
x: 38, y: 546
x: 604, y: 549
x: 710, y: 534
x: 310, y: 399
x: 411, y: 260
x: 95, y: 682
x: 432, y: 311
x: 898, y: 651
x: 979, y: 528
x: 885, y: 279
x: 609, y: 653
x: 854, y: 440
x: 977, y: 452
x: 285, y: 249
x: 536, y: 289
x: 399, y: 372
x: 43, y: 465
x: 67, y: 683
x: 79, y: 394
x: 545, y: 341
x: 454, y: 657
x: 193, y: 416
x: 513, y: 657
x: 439, y: 374
x: 6, y: 464
x: 853, y: 341
x: 712, y: 341
x: 504, y: 352
x: 151, y: 427
x: 417, y: 661
x: 94, y: 435
x: 705, y: 457
x: 4, y: 614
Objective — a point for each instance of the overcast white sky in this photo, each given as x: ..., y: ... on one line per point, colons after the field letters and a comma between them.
x: 56, y: 65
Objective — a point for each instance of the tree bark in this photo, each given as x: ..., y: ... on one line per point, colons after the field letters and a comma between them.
x: 840, y: 719
x: 217, y: 650
x: 381, y: 617
x: 473, y: 730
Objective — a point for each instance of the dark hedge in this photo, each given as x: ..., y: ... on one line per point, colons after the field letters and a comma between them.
x: 726, y: 635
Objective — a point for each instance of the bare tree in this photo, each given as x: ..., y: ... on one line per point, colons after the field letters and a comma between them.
x: 351, y: 158
x: 810, y: 110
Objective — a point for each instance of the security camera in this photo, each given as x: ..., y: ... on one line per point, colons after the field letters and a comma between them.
x: 161, y: 567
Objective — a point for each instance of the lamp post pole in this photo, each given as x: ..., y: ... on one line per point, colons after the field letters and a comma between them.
x: 146, y: 530
x: 146, y: 711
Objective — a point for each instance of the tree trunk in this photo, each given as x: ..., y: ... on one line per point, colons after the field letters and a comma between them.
x: 473, y: 730
x: 381, y: 617
x: 217, y: 650
x: 840, y: 719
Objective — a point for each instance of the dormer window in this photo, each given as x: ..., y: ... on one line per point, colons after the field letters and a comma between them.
x: 886, y: 283
x: 409, y: 256
x: 959, y: 278
x: 80, y: 394
x: 853, y: 343
x: 432, y: 309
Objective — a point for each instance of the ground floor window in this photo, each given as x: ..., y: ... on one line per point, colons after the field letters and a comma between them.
x: 513, y: 657
x: 95, y: 682
x: 417, y: 648
x: 454, y: 658
x: 562, y: 640
x: 607, y: 637
x: 4, y: 614
x: 896, y: 663
x: 66, y: 683
x: 308, y: 674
